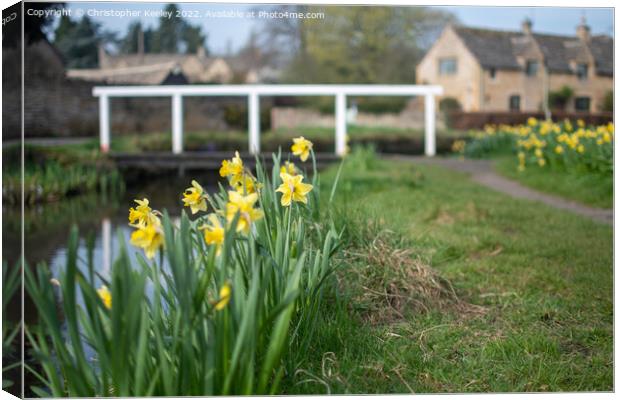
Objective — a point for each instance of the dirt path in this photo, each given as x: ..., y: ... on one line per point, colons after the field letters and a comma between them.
x: 482, y: 171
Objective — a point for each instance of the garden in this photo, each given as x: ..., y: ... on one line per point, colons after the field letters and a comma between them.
x: 371, y: 276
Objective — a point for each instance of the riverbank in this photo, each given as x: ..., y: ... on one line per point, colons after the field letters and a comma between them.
x: 525, y: 314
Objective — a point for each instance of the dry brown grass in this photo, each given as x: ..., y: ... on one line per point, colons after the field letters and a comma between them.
x: 390, y: 282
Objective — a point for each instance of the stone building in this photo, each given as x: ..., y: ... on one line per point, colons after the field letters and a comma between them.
x: 156, y: 69
x: 488, y: 70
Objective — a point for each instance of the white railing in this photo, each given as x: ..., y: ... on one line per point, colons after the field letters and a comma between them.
x: 253, y: 93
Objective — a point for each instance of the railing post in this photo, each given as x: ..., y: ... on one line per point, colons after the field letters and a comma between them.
x: 254, y: 123
x: 104, y: 123
x: 177, y: 123
x: 429, y: 125
x: 341, y: 123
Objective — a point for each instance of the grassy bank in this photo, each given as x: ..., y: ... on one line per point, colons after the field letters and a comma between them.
x: 573, y: 161
x: 585, y: 187
x: 54, y: 173
x: 532, y: 306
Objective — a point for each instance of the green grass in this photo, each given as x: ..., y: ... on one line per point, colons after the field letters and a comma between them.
x: 542, y: 278
x: 589, y: 188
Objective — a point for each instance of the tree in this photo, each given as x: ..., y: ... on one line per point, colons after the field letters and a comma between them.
x: 193, y: 38
x: 356, y: 44
x: 168, y: 34
x: 78, y: 41
x: 172, y: 35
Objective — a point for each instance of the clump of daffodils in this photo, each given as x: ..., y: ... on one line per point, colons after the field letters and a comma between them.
x: 239, y: 280
x: 542, y: 143
x: 241, y: 206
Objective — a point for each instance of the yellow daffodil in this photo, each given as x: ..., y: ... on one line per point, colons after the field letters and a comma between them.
x: 195, y: 198
x: 458, y: 146
x: 541, y: 162
x: 301, y: 147
x: 244, y: 205
x: 148, y: 237
x: 214, y: 232
x: 580, y: 149
x: 559, y: 149
x: 225, y: 293
x: 232, y: 169
x: 142, y: 214
x: 246, y: 185
x: 538, y: 153
x: 106, y: 296
x: 531, y: 121
x: 289, y: 168
x: 293, y: 189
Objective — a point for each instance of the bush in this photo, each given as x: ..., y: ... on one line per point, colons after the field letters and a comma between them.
x: 447, y: 106
x: 559, y: 98
x: 608, y: 101
x: 237, y: 117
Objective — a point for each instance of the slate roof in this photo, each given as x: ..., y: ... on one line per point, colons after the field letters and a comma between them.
x: 499, y: 49
x: 493, y: 49
x: 602, y: 48
x: 138, y: 75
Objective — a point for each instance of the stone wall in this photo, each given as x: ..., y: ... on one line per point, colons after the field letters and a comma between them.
x: 412, y: 117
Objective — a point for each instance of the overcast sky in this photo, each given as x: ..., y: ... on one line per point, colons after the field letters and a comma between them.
x: 225, y: 31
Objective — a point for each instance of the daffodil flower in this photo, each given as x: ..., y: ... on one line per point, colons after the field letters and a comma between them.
x: 246, y: 185
x: 148, y: 237
x: 293, y: 189
x: 225, y: 293
x: 289, y: 168
x: 301, y: 147
x: 195, y: 198
x: 244, y: 205
x: 232, y: 169
x: 213, y: 232
x: 142, y: 214
x: 105, y: 296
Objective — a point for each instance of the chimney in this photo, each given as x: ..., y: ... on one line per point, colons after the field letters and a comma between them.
x: 102, y: 56
x: 583, y: 30
x: 201, y: 53
x: 526, y: 26
x: 140, y: 40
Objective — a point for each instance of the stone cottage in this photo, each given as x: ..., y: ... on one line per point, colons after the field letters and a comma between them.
x: 489, y: 70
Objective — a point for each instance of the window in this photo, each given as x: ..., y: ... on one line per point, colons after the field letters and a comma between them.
x: 531, y: 67
x: 447, y: 66
x: 514, y: 103
x: 492, y: 73
x: 582, y: 71
x: 582, y: 104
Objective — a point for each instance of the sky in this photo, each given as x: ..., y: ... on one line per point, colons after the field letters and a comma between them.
x: 232, y: 32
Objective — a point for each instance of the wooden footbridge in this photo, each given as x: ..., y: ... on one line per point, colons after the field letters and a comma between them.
x: 211, y: 160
